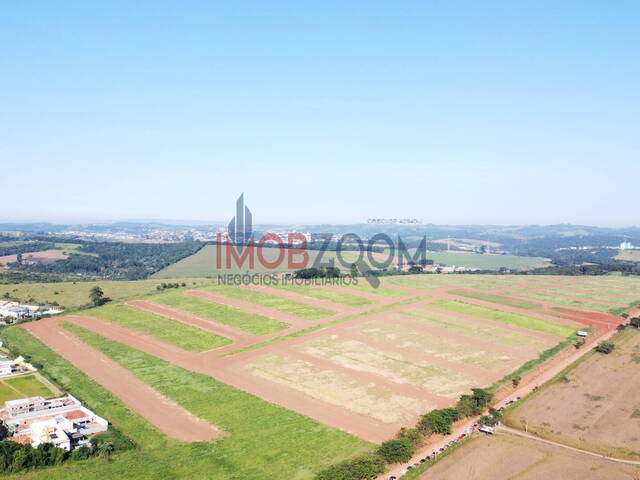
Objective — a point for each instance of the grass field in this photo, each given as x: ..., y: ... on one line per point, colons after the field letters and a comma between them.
x: 440, y: 319
x: 485, y: 261
x: 511, y: 302
x: 164, y: 329
x: 256, y: 324
x: 570, y: 302
x: 22, y: 387
x: 593, y: 404
x: 337, y: 389
x: 330, y: 295
x: 629, y: 255
x: 531, y: 323
x: 266, y: 442
x: 285, y: 305
x: 76, y: 294
x: 393, y: 366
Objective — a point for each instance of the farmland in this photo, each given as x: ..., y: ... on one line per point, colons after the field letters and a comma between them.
x: 589, y: 405
x: 505, y: 457
x: 349, y: 365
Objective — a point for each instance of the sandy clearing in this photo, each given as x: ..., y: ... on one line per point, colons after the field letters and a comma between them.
x: 169, y: 417
x: 45, y: 255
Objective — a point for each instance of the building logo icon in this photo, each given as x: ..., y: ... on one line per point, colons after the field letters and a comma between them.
x: 240, y: 229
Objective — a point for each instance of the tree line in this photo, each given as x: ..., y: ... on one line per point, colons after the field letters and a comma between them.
x: 408, y: 440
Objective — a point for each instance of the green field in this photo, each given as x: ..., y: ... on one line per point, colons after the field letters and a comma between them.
x: 330, y: 295
x: 273, y: 301
x: 164, y: 329
x: 484, y: 261
x: 22, y: 387
x: 265, y: 442
x: 256, y: 324
x: 76, y: 294
x: 531, y: 323
x: 570, y: 302
x: 511, y: 302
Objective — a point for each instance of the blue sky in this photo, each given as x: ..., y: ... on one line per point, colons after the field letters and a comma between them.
x: 450, y: 112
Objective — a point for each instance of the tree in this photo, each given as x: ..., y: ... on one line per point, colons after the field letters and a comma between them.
x: 97, y: 296
x: 396, y: 450
x: 579, y: 343
x: 412, y: 434
x: 515, y: 381
x: 105, y: 449
x: 415, y: 269
x: 365, y: 467
x: 488, y: 420
x: 19, y: 258
x: 635, y: 322
x: 605, y: 347
x: 354, y: 270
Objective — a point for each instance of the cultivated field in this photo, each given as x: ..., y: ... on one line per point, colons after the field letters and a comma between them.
x: 507, y: 457
x: 282, y: 371
x: 593, y: 405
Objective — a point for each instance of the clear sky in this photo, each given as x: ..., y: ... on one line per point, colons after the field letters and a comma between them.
x: 336, y: 112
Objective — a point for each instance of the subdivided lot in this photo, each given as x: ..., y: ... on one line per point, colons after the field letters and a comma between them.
x: 285, y: 305
x: 22, y: 387
x: 477, y: 328
x: 326, y: 294
x: 359, y: 357
x: 387, y: 288
x: 593, y: 405
x: 411, y: 282
x: 576, y: 303
x: 509, y: 301
x: 508, y: 457
x: 256, y: 324
x: 492, y: 357
x: 344, y: 391
x: 591, y: 295
x: 264, y: 441
x: 164, y: 329
x: 510, y: 318
x: 76, y: 294
x: 484, y: 261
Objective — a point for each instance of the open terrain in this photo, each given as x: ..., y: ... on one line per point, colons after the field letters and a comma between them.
x: 355, y: 362
x: 22, y: 386
x: 508, y: 457
x: 592, y: 405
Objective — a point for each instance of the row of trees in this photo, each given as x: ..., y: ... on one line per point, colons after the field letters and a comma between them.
x: 15, y: 457
x: 321, y: 272
x: 119, y: 261
x: 402, y: 448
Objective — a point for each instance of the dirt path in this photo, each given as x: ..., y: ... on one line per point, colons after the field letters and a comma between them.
x: 520, y: 433
x: 555, y: 366
x: 169, y: 417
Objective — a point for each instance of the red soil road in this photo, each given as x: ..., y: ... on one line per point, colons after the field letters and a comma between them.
x: 170, y: 418
x: 222, y: 369
x: 250, y: 307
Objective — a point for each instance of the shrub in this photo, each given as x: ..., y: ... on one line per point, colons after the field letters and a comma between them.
x: 364, y: 467
x: 605, y: 347
x: 413, y: 435
x: 397, y: 450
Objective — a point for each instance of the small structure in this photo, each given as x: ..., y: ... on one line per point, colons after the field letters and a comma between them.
x: 62, y: 421
x: 582, y: 333
x: 487, y: 429
x: 6, y: 366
